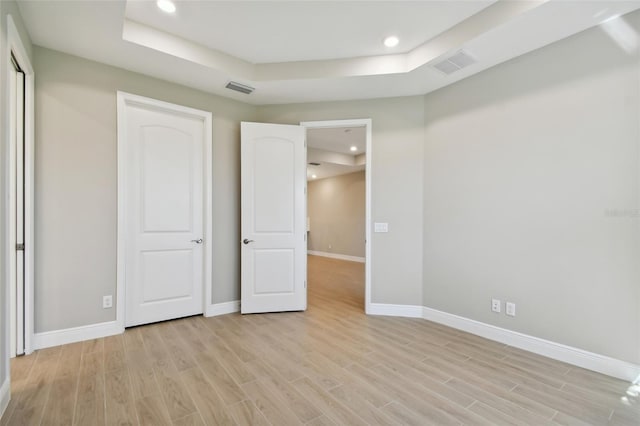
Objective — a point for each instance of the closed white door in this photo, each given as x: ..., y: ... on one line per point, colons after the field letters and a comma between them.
x: 165, y: 161
x: 273, y: 234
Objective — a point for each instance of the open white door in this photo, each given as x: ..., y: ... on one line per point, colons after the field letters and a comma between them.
x: 274, y: 243
x: 164, y: 150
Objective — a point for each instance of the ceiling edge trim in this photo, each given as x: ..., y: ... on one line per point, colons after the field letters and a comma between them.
x: 486, y: 20
x: 146, y: 36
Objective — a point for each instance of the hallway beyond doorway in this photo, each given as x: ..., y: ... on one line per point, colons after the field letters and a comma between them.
x: 336, y: 282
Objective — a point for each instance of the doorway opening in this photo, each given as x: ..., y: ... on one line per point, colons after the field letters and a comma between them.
x: 20, y: 194
x: 339, y: 206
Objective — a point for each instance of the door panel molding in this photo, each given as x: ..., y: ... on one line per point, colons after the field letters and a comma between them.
x: 125, y: 101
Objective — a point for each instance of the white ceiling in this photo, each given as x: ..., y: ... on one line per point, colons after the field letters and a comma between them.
x: 308, y: 51
x: 263, y: 32
x: 338, y: 139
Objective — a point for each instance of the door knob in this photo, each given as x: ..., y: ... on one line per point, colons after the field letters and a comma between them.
x: 198, y: 241
x: 245, y: 241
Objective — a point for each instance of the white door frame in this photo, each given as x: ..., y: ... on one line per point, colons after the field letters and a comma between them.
x: 360, y: 122
x: 125, y: 99
x: 16, y: 48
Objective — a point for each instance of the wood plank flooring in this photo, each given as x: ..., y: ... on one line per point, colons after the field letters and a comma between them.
x: 330, y: 365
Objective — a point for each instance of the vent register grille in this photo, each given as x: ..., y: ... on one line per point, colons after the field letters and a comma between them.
x: 242, y: 88
x: 454, y: 63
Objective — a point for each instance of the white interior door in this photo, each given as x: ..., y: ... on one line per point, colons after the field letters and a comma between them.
x: 274, y: 246
x: 165, y: 205
x: 16, y: 210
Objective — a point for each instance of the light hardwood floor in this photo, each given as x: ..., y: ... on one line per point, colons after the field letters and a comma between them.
x: 329, y: 365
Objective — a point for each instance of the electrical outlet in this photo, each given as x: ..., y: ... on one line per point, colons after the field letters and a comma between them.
x: 495, y: 305
x: 107, y: 302
x: 511, y: 309
x: 329, y: 246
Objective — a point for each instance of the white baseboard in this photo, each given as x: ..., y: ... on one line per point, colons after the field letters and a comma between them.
x: 574, y: 356
x: 5, y: 395
x: 336, y: 256
x: 222, y: 308
x: 75, y: 334
x: 410, y: 311
x: 595, y: 362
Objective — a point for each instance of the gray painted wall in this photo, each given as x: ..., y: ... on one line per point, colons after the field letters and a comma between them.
x: 76, y: 167
x: 6, y: 8
x: 397, y: 165
x: 523, y: 165
x: 336, y: 210
x: 76, y: 184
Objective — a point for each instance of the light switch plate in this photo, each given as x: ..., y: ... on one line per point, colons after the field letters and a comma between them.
x: 381, y: 227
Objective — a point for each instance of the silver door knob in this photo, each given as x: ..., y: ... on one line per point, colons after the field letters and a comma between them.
x: 198, y: 241
x: 245, y: 241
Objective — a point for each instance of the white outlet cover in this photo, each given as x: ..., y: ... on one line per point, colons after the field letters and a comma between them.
x: 495, y: 305
x: 381, y: 227
x: 511, y: 309
x: 107, y: 302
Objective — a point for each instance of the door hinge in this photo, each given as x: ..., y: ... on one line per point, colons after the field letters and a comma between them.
x: 20, y: 246
x: 305, y: 236
x: 305, y: 284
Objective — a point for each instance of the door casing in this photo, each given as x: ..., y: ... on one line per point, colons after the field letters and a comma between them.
x: 125, y: 99
x: 360, y: 122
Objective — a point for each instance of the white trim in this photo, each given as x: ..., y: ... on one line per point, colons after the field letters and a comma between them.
x: 11, y: 210
x: 222, y: 308
x: 409, y: 311
x: 574, y: 356
x: 591, y: 361
x: 367, y: 123
x: 337, y: 256
x: 124, y: 99
x: 48, y: 339
x: 16, y: 46
x: 5, y: 395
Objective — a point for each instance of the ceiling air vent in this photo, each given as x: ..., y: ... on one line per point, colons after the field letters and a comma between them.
x: 454, y: 63
x: 240, y: 87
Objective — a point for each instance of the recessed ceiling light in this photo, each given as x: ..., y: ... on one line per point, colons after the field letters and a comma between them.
x: 391, y: 41
x: 313, y: 176
x: 166, y: 6
x: 354, y: 148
